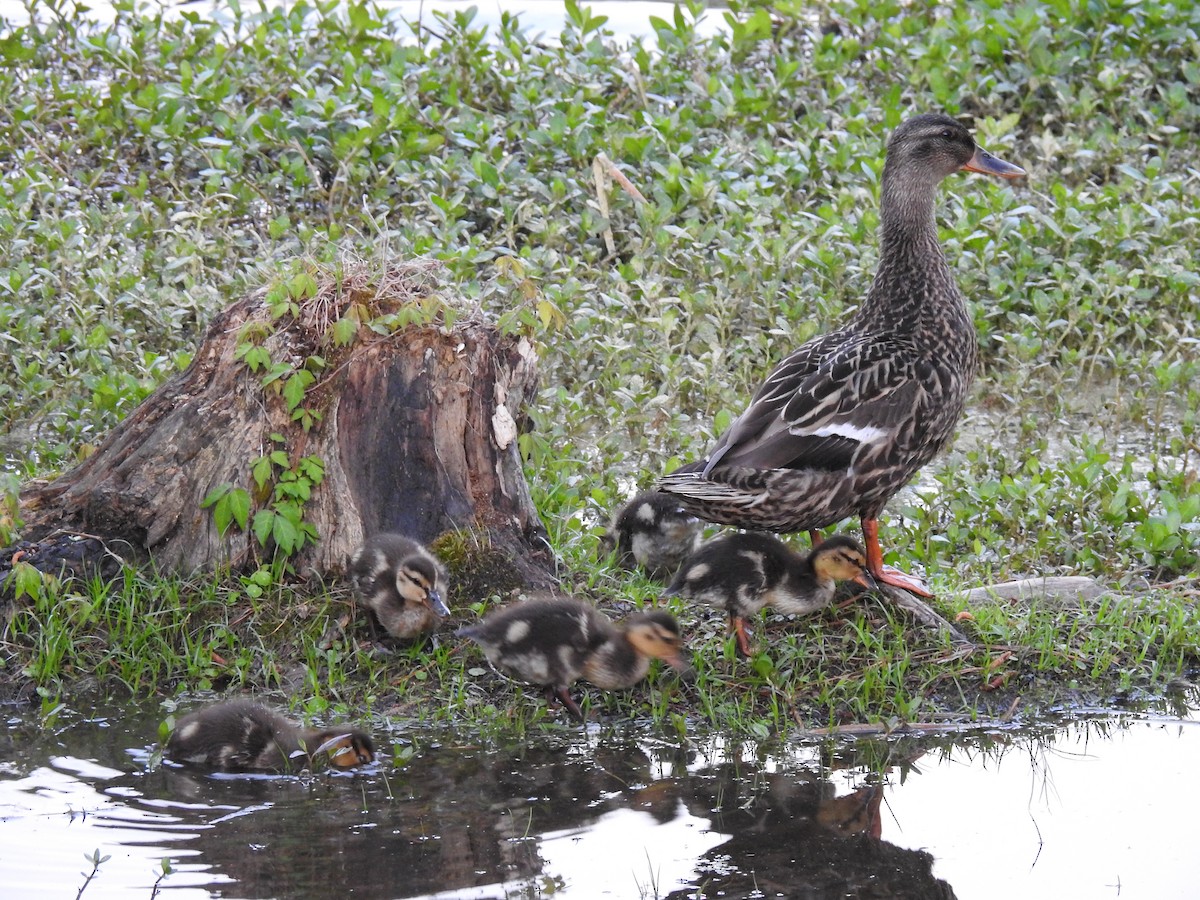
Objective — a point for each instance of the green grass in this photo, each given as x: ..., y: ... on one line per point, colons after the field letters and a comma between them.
x: 153, y: 169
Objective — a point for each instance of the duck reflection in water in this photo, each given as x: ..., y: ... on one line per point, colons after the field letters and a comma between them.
x: 792, y: 836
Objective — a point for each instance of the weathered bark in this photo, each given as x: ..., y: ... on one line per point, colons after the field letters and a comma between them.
x: 417, y: 434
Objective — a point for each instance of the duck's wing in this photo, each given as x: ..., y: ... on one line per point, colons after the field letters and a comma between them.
x: 818, y: 410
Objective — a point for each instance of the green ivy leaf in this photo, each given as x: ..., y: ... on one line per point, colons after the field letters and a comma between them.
x: 26, y: 580
x: 261, y: 471
x: 277, y: 371
x: 285, y: 534
x: 312, y: 468
x: 215, y: 494
x: 302, y: 286
x: 222, y: 516
x: 238, y: 503
x: 343, y: 331
x: 256, y: 357
x: 264, y: 523
x: 294, y: 388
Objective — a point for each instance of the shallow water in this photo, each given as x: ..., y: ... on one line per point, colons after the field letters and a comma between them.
x: 1098, y: 807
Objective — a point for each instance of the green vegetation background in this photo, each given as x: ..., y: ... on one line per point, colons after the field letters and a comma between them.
x: 153, y: 169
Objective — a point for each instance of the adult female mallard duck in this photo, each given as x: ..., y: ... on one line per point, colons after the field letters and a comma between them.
x: 844, y: 422
x: 653, y: 531
x: 551, y: 642
x: 401, y: 582
x: 240, y: 734
x: 743, y: 573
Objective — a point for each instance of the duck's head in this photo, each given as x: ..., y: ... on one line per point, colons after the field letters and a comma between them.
x: 656, y: 634
x: 940, y: 145
x: 841, y: 558
x: 346, y: 749
x: 416, y: 582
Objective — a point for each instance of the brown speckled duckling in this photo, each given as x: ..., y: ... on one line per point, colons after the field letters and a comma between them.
x: 551, y: 642
x: 240, y: 734
x: 401, y: 582
x: 652, y: 531
x: 743, y: 573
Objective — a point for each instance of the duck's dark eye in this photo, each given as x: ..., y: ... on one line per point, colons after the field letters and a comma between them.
x: 947, y: 134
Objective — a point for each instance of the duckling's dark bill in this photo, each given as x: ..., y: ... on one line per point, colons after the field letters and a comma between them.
x: 867, y: 580
x: 438, y: 605
x: 682, y: 666
x: 988, y: 164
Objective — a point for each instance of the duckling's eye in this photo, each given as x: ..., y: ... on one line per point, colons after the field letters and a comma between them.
x: 947, y: 134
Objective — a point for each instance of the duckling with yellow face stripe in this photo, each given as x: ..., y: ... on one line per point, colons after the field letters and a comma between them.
x: 240, y: 734
x: 743, y: 573
x: 551, y: 642
x: 401, y: 582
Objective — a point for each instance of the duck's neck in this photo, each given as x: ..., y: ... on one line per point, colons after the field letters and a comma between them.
x: 616, y: 664
x: 912, y: 274
x: 803, y: 590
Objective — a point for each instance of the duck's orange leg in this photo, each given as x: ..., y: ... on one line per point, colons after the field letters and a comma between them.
x: 815, y: 537
x: 737, y: 626
x: 887, y: 574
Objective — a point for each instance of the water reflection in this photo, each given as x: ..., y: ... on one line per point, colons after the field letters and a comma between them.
x: 601, y: 814
x: 792, y: 835
x: 579, y: 819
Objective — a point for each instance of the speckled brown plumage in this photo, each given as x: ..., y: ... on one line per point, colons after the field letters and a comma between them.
x: 240, y: 734
x: 845, y: 421
x: 551, y: 642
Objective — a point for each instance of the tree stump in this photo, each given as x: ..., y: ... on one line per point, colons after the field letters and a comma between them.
x: 315, y: 412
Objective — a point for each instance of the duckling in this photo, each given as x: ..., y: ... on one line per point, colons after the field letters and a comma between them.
x: 653, y: 531
x: 551, y: 642
x: 401, y: 582
x: 239, y: 734
x: 742, y: 573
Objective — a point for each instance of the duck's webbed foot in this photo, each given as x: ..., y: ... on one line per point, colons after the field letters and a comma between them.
x: 897, y: 578
x: 887, y: 574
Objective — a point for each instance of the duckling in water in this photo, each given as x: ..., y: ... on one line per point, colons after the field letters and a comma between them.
x: 742, y: 573
x: 401, y: 582
x: 653, y: 531
x: 239, y: 734
x: 551, y: 642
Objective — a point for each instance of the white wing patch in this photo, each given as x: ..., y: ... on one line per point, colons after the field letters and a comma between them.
x: 864, y: 434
